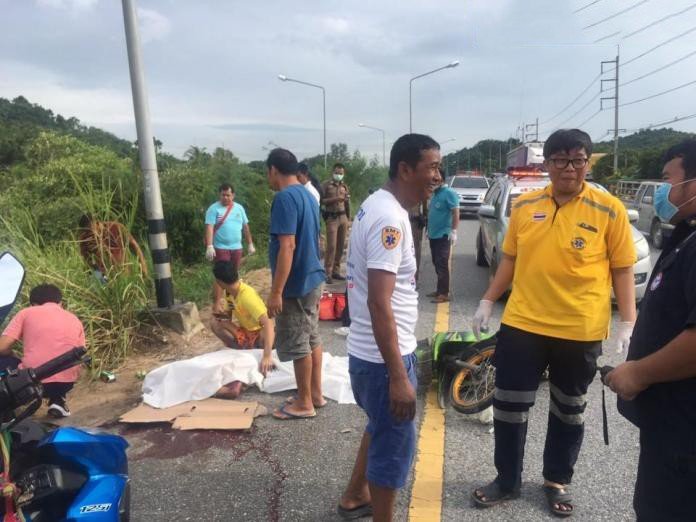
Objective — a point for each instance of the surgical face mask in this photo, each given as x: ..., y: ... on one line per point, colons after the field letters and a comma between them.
x: 664, y: 208
x: 338, y: 177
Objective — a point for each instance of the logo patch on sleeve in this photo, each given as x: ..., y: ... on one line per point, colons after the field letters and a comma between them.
x: 390, y: 237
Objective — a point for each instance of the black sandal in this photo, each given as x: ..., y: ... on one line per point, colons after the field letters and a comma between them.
x: 493, y: 495
x: 557, y: 497
x: 362, y: 511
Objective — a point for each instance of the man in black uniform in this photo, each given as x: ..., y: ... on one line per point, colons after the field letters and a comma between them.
x: 657, y: 383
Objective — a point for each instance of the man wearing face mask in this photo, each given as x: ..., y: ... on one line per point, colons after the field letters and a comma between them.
x: 657, y: 383
x: 335, y: 198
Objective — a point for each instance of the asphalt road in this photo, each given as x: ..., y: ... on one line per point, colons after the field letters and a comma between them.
x: 295, y: 471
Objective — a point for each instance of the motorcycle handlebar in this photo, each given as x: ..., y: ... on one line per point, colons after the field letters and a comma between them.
x: 60, y: 363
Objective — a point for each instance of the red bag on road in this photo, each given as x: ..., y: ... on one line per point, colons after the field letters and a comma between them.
x: 327, y: 307
x: 339, y: 305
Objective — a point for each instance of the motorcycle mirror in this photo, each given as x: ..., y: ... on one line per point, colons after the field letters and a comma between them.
x: 11, y: 279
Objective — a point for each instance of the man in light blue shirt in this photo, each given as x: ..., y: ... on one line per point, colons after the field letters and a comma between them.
x: 225, y: 221
x: 443, y: 220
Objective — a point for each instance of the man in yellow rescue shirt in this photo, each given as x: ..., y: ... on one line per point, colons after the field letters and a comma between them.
x: 565, y: 248
x: 255, y: 329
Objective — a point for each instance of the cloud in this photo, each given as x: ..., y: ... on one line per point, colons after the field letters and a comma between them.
x: 72, y: 5
x: 153, y: 25
x: 262, y: 127
x: 103, y: 104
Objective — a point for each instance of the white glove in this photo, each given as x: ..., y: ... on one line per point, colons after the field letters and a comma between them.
x: 453, y: 237
x: 210, y: 252
x: 623, y: 335
x: 481, y: 317
x: 251, y: 249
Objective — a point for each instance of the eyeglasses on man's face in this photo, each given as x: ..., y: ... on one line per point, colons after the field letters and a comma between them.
x: 562, y: 163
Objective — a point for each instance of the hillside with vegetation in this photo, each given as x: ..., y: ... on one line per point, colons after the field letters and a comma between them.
x: 53, y: 169
x: 640, y: 154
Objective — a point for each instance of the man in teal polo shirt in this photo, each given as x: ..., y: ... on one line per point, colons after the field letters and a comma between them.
x: 443, y: 220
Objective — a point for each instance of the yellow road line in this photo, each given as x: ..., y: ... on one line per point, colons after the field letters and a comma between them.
x: 426, y: 496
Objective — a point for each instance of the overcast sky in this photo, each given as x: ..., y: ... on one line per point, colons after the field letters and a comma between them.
x: 212, y: 67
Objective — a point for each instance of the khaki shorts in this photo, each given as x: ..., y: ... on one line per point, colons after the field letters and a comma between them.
x: 297, y: 326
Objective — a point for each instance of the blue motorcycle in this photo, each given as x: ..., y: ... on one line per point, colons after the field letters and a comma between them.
x: 53, y: 474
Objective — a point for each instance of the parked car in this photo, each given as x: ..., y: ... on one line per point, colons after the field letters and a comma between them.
x: 494, y: 217
x: 648, y: 223
x: 471, y: 190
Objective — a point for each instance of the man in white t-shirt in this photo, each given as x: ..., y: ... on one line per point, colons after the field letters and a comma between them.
x: 303, y: 177
x: 381, y: 281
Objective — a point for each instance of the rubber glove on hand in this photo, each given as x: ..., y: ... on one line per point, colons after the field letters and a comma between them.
x: 251, y: 249
x: 481, y: 317
x: 623, y: 335
x: 453, y: 237
x: 210, y: 252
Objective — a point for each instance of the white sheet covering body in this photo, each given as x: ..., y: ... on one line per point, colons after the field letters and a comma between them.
x: 200, y: 377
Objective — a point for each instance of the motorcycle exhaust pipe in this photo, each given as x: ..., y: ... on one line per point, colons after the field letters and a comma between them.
x: 468, y: 366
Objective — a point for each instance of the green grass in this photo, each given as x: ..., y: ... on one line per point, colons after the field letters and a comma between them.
x: 110, y: 313
x: 194, y: 282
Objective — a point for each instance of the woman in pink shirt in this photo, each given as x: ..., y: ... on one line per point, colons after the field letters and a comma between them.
x: 47, y: 330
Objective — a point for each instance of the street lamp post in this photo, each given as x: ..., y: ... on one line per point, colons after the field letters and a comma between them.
x: 284, y: 78
x: 441, y: 144
x: 384, y: 147
x: 410, y: 90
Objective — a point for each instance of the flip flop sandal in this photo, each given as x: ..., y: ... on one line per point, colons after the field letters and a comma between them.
x: 556, y: 497
x: 493, y: 495
x: 286, y: 415
x: 293, y: 398
x: 431, y: 294
x: 355, y: 513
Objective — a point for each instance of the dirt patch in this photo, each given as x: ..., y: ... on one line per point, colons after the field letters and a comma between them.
x: 94, y: 403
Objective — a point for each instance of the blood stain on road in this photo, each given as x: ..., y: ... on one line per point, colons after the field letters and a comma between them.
x: 167, y: 443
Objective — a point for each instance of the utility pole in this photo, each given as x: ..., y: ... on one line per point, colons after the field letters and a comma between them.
x: 534, y: 126
x: 157, y: 231
x: 616, y: 129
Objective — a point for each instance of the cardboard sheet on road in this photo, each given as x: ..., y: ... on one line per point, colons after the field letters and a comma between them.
x: 208, y: 414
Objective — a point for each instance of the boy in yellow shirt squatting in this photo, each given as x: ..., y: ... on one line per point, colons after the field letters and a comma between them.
x: 253, y: 329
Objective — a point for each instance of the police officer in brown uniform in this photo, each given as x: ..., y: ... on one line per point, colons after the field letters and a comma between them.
x: 335, y: 198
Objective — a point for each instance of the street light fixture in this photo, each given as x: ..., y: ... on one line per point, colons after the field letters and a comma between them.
x: 384, y: 148
x: 284, y: 78
x: 410, y: 89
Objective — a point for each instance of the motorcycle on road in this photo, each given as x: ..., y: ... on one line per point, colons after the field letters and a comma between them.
x: 53, y: 474
x: 462, y: 369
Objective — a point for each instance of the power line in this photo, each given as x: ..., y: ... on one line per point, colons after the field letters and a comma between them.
x: 668, y: 122
x: 652, y: 24
x: 586, y: 6
x: 670, y: 40
x: 692, y: 53
x: 580, y: 110
x: 589, y: 119
x: 630, y: 8
x: 645, y: 53
x: 658, y: 94
x: 589, y: 86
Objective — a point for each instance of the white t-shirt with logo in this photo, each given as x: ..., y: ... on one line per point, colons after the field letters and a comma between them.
x: 381, y: 238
